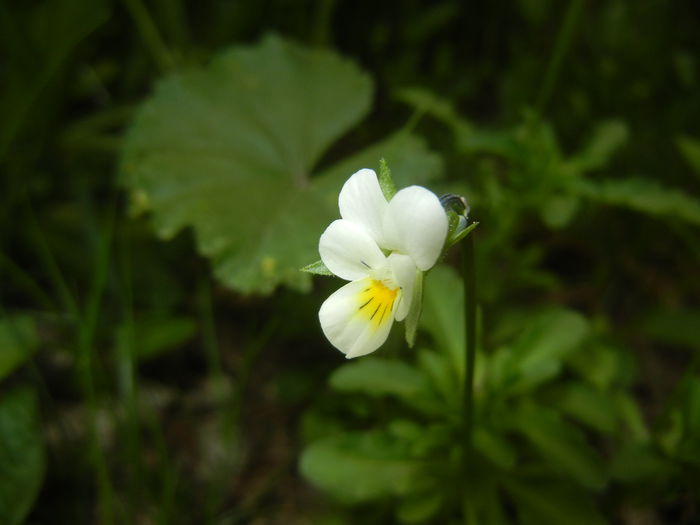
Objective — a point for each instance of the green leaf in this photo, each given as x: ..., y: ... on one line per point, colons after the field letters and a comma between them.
x: 691, y: 413
x: 153, y: 336
x: 645, y: 196
x: 431, y: 440
x: 230, y: 150
x: 607, y: 138
x: 560, y: 444
x: 559, y: 210
x: 681, y: 327
x: 542, y: 503
x: 417, y: 508
x: 376, y: 376
x: 600, y: 364
x: 22, y: 459
x: 18, y: 341
x: 688, y: 448
x: 631, y: 414
x: 638, y: 462
x: 45, y: 35
x: 411, y: 163
x: 588, y: 405
x: 468, y: 138
x: 317, y: 268
x: 551, y: 335
x: 440, y: 109
x: 359, y: 467
x: 443, y: 314
x: 414, y: 312
x: 536, y: 356
x: 494, y: 446
x: 690, y: 148
x: 438, y: 368
x: 386, y: 183
x: 487, y: 504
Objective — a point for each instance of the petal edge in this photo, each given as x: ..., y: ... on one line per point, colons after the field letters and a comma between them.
x: 416, y: 224
x: 361, y: 201
x: 347, y: 329
x: 348, y: 250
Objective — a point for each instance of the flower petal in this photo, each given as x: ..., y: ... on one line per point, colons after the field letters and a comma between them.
x: 361, y: 201
x: 349, y: 251
x: 357, y: 318
x: 404, y: 270
x: 416, y: 224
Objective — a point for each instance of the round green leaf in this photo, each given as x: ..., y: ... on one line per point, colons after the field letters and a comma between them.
x: 230, y: 149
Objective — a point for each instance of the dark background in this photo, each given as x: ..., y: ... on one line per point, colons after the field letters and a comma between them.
x: 225, y: 377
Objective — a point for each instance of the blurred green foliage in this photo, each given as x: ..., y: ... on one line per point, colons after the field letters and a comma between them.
x: 136, y: 388
x: 231, y: 151
x: 22, y: 460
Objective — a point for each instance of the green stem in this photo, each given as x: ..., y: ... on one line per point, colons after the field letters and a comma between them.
x: 128, y: 378
x: 211, y: 341
x: 150, y: 34
x: 561, y: 47
x: 86, y: 325
x: 322, y: 22
x: 469, y: 280
x: 85, y: 366
x: 22, y: 279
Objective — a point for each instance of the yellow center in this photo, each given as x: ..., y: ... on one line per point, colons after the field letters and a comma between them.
x: 376, y: 302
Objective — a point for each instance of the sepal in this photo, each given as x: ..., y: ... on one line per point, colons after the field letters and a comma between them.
x: 456, y: 236
x: 317, y: 268
x: 386, y: 183
x: 416, y: 308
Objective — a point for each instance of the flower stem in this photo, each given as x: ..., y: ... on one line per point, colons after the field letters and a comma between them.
x: 469, y: 280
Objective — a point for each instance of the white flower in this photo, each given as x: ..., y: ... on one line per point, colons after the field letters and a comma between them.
x: 379, y: 247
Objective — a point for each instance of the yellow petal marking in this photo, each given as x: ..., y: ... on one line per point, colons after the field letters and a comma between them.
x: 376, y: 303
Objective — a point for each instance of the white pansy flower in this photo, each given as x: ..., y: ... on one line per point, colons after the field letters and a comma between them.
x: 379, y: 247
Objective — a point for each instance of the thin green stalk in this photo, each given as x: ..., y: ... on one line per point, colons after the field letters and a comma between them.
x: 128, y: 380
x: 469, y: 283
x: 88, y: 325
x: 232, y: 409
x: 58, y: 282
x: 173, y: 18
x: 322, y: 22
x: 150, y: 34
x: 561, y: 47
x: 19, y: 277
x: 251, y: 352
x: 211, y: 341
x: 166, y: 507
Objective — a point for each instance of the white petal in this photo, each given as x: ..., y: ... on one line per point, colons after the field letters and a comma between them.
x: 357, y: 318
x: 404, y: 270
x: 349, y: 251
x: 361, y: 201
x: 416, y: 224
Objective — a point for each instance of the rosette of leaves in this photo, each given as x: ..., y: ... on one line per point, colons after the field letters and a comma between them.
x: 546, y: 394
x: 234, y: 150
